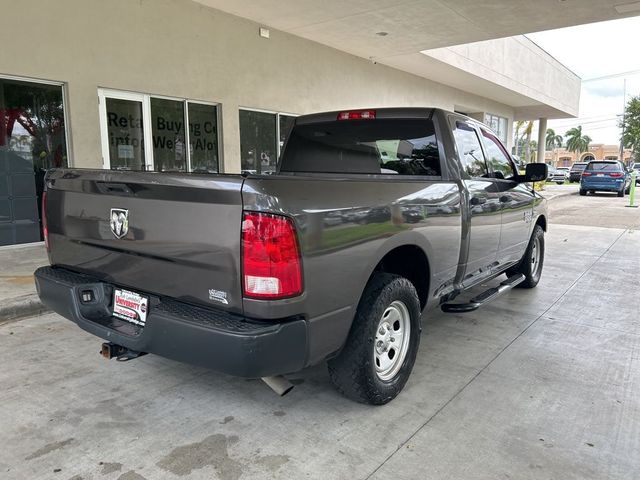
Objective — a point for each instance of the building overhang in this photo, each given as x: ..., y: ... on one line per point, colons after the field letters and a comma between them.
x: 420, y: 36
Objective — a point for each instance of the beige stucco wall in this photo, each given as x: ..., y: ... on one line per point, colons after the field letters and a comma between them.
x: 179, y: 48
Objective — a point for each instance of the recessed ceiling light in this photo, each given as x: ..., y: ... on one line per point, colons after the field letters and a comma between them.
x: 628, y: 8
x: 382, y: 34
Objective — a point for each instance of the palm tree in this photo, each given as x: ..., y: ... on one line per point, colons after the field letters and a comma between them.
x: 516, y: 133
x: 527, y: 145
x: 576, y: 141
x: 553, y: 140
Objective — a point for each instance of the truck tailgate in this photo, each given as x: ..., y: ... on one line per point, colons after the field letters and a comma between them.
x: 182, y: 240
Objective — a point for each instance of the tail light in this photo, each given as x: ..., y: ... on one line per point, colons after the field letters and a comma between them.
x: 271, y: 264
x: 45, y: 228
x: 586, y: 174
x: 616, y: 174
x: 357, y: 115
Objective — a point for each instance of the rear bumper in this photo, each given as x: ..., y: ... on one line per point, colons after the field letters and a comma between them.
x: 214, y: 339
x: 604, y: 186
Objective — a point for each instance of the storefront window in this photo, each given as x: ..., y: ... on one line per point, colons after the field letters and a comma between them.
x: 258, y: 141
x: 125, y: 134
x: 142, y: 132
x: 498, y: 125
x: 286, y: 124
x: 167, y: 126
x: 262, y: 136
x: 32, y: 140
x: 203, y: 137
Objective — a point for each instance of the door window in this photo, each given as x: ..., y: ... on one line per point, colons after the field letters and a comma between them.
x: 497, y: 157
x: 470, y: 151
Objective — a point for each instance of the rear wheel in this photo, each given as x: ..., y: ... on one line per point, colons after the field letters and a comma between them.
x: 532, y: 261
x: 621, y: 193
x: 381, y: 349
x: 583, y: 192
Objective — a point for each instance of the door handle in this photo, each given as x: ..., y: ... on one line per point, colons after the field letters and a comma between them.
x: 505, y: 199
x: 477, y: 201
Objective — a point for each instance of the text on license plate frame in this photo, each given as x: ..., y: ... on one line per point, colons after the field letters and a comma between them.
x: 130, y: 306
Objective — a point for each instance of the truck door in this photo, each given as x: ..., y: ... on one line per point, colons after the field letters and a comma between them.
x: 516, y: 201
x: 484, y: 204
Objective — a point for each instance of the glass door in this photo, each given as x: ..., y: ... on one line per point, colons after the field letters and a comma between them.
x: 124, y: 119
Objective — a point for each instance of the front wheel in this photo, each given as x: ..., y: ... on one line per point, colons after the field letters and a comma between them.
x: 532, y: 261
x: 382, y: 345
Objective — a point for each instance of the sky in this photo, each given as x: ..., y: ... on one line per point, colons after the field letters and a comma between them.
x: 593, y: 51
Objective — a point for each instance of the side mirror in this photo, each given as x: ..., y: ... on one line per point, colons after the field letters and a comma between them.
x: 535, y: 172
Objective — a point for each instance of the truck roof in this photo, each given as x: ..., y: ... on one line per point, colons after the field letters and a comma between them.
x: 400, y: 112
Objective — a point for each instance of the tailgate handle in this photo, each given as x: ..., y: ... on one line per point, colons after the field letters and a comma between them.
x: 111, y: 188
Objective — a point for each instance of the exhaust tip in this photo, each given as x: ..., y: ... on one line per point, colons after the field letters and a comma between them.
x: 278, y: 384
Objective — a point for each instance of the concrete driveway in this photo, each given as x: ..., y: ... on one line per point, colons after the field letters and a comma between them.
x: 540, y: 384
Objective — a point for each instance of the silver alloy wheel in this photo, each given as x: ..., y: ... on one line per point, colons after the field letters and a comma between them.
x: 392, y: 340
x: 535, y: 258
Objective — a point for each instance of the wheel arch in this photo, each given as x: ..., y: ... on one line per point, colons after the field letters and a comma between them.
x: 409, y: 258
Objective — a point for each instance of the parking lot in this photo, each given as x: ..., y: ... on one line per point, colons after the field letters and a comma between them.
x: 539, y: 384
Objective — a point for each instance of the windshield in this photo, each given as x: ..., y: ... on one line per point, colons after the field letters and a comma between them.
x: 604, y: 167
x: 381, y: 146
x: 578, y: 166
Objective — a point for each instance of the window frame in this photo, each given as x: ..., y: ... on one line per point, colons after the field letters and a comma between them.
x: 145, y: 98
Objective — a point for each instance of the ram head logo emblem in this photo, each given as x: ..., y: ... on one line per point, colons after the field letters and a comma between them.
x: 119, y: 221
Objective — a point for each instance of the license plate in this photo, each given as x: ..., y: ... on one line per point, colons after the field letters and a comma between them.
x: 130, y: 306
x: 600, y: 175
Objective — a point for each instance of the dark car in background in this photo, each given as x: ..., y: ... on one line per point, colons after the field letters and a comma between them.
x: 576, y: 171
x: 607, y: 175
x: 636, y: 167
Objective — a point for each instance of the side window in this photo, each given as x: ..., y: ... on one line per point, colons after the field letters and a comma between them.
x: 498, y: 159
x: 470, y: 151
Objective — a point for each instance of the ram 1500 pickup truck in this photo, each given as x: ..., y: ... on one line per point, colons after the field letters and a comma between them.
x: 372, y: 217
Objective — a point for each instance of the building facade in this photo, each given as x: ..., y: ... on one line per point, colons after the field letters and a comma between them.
x: 179, y: 86
x: 561, y: 157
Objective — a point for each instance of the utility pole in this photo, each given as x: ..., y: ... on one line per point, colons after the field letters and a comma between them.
x: 624, y: 117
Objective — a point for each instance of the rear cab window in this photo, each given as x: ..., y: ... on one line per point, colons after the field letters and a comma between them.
x: 370, y: 146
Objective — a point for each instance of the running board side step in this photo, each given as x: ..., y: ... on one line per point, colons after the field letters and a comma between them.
x: 484, y: 297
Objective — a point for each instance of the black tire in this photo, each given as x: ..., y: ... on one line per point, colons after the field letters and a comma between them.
x: 621, y: 193
x: 526, y: 267
x: 353, y: 371
x: 559, y: 183
x: 583, y: 192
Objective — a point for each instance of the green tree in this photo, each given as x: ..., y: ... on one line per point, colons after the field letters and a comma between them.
x: 631, y: 127
x: 553, y: 140
x: 576, y: 141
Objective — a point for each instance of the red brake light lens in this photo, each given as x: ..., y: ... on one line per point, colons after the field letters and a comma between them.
x: 586, y: 174
x: 45, y: 228
x: 357, y: 115
x: 271, y: 264
x: 615, y: 174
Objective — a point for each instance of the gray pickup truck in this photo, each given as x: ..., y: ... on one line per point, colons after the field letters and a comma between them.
x: 373, y: 217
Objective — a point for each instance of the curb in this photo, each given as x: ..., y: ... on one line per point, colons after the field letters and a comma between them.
x: 19, y: 307
x: 559, y: 195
